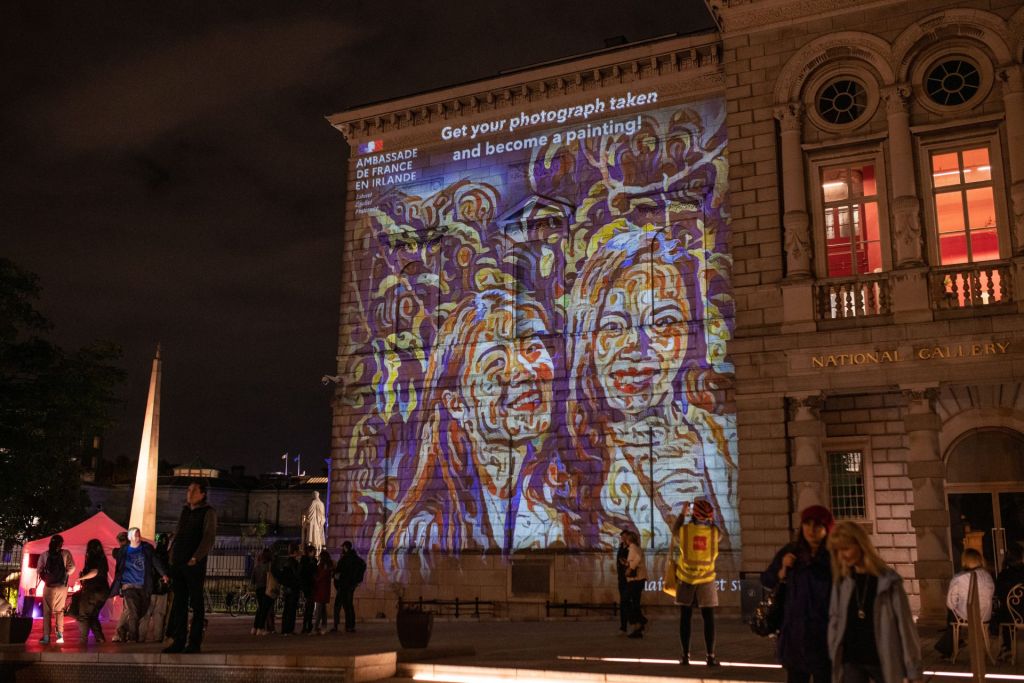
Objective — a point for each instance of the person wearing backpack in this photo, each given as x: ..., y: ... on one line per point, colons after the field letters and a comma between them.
x: 347, y: 576
x: 53, y: 569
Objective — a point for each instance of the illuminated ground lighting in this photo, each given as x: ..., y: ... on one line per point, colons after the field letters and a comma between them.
x: 638, y: 660
x: 968, y: 674
x: 517, y: 676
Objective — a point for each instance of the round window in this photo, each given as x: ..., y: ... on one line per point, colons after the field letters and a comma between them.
x: 952, y: 82
x: 842, y: 101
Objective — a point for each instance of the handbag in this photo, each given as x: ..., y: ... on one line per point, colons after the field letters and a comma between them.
x: 670, y: 582
x: 767, y: 619
x: 273, y: 586
x: 74, y: 608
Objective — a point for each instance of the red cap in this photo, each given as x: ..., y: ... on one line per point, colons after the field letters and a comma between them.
x: 819, y: 514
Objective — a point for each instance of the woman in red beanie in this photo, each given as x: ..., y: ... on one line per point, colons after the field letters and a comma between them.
x: 804, y: 566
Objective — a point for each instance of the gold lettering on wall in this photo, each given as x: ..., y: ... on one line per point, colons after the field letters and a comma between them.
x: 935, y: 352
x: 962, y: 350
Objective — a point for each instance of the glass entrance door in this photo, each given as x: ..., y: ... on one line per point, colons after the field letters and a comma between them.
x: 988, y: 522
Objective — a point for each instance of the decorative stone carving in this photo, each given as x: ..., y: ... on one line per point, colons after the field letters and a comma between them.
x: 1017, y: 196
x: 1011, y: 78
x: 804, y: 408
x: 790, y: 116
x: 798, y: 244
x: 849, y: 47
x: 907, y: 231
x: 896, y: 97
x: 906, y: 206
x: 795, y: 222
x: 984, y: 27
x: 921, y: 399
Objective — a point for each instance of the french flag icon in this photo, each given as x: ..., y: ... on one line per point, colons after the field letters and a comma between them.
x: 371, y: 146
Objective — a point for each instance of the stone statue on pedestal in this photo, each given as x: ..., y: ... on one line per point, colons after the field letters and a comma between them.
x: 313, y: 521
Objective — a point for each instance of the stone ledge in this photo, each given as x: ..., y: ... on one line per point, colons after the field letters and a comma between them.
x: 354, y: 669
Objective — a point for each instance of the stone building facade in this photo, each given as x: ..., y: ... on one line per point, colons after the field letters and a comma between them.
x: 890, y: 350
x: 840, y: 188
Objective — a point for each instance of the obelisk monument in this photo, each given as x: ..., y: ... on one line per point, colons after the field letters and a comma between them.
x: 144, y: 497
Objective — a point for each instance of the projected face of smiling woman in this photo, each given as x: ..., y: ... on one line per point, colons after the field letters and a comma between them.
x: 506, y: 385
x: 640, y: 344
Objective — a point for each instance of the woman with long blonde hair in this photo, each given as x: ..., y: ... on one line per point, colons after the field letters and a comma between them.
x: 868, y: 606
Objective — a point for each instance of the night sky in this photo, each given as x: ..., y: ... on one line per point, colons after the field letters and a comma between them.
x: 167, y: 172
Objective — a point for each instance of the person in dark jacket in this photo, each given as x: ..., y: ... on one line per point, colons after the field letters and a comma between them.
x: 154, y: 621
x: 804, y: 566
x: 258, y: 581
x: 193, y: 540
x: 137, y: 565
x: 621, y: 563
x: 286, y: 570
x: 94, y: 591
x: 348, y: 574
x: 307, y: 578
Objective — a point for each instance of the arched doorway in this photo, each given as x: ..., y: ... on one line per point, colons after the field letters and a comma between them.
x: 985, y: 493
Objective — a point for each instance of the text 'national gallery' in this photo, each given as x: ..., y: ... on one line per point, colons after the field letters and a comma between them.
x: 769, y: 266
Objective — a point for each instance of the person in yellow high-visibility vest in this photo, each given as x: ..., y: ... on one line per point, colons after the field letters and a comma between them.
x: 697, y: 542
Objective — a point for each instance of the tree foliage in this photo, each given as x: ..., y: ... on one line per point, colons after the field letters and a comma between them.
x: 52, y: 403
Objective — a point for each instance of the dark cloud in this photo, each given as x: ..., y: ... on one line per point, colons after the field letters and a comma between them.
x: 169, y: 174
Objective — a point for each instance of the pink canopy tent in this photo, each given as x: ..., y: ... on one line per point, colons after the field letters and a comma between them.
x: 98, y: 526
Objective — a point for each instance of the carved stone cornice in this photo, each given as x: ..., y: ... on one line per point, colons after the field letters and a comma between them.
x: 741, y: 16
x: 696, y: 60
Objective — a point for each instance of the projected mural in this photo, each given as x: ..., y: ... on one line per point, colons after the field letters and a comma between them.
x: 534, y: 346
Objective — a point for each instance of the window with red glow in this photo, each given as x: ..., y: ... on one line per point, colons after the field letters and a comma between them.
x: 965, y: 212
x: 850, y: 200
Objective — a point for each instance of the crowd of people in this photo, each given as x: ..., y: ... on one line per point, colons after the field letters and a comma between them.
x: 158, y: 585
x: 301, y: 571
x: 841, y: 599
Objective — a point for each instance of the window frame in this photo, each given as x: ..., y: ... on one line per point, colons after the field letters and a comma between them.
x: 867, y: 473
x: 955, y: 141
x: 818, y: 163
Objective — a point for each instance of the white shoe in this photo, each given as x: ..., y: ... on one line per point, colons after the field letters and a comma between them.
x: 60, y: 638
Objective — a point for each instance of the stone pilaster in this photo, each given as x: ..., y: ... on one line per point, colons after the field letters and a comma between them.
x: 807, y: 470
x: 930, y: 518
x: 906, y: 233
x: 1012, y: 79
x: 795, y: 221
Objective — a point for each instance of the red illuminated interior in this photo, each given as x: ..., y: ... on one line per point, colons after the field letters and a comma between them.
x: 964, y: 206
x: 852, y: 240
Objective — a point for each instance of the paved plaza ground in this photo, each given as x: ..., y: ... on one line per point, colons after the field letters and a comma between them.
x: 563, y: 646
